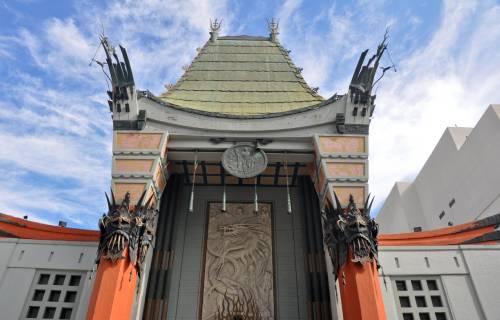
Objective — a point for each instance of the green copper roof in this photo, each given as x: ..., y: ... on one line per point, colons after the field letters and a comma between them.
x: 242, y: 75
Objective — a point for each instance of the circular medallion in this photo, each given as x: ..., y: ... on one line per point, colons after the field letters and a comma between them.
x: 244, y: 161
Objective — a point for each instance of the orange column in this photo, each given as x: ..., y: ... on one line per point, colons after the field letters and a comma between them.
x: 360, y: 291
x: 114, y: 290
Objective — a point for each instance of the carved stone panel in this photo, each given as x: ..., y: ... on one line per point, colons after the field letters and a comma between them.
x: 238, y: 276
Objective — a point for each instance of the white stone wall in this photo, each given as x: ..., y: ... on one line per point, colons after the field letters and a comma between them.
x: 469, y: 274
x: 463, y: 166
x: 20, y: 259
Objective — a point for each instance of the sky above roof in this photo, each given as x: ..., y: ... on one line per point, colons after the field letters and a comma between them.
x: 55, y: 128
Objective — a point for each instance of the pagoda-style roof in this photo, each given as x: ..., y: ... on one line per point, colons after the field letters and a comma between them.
x: 242, y: 75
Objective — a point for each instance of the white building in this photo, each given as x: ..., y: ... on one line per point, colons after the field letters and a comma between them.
x: 460, y: 182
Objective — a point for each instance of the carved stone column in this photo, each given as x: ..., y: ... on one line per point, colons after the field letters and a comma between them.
x: 126, y: 236
x: 351, y: 239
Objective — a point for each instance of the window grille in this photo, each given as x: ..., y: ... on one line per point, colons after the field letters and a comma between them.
x: 54, y: 294
x: 420, y: 298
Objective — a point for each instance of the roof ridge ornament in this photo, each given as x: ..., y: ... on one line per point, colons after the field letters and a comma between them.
x: 214, y: 29
x: 363, y: 79
x: 273, y: 27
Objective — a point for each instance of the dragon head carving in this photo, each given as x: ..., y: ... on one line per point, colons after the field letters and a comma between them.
x: 129, y: 228
x: 350, y: 229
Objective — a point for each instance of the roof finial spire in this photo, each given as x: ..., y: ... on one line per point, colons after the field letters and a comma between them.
x: 214, y: 29
x: 273, y: 26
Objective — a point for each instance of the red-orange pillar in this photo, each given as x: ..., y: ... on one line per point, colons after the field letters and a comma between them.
x: 360, y: 291
x: 114, y: 290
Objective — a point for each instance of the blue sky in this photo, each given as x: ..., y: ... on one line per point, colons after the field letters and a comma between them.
x: 55, y: 128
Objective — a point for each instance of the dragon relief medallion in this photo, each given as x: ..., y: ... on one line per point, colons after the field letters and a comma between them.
x: 350, y: 230
x: 122, y: 228
x: 244, y: 161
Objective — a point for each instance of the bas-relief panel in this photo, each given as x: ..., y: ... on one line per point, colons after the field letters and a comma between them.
x: 238, y: 261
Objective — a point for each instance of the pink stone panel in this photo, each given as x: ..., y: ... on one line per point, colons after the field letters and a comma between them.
x: 343, y: 193
x: 134, y: 165
x: 135, y: 189
x: 345, y: 169
x: 341, y: 144
x: 138, y: 140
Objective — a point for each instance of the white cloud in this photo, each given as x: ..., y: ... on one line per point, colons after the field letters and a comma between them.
x: 55, y: 130
x: 449, y: 82
x: 56, y: 123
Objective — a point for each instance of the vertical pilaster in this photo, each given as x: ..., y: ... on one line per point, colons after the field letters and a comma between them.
x: 360, y: 291
x: 114, y: 290
x: 138, y: 175
x: 340, y: 175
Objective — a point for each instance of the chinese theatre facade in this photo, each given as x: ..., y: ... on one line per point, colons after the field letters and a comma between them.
x: 241, y: 193
x: 241, y: 158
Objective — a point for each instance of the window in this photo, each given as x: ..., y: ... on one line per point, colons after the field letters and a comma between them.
x: 59, y: 279
x: 70, y: 296
x: 436, y: 301
x: 401, y: 285
x: 49, y: 313
x: 441, y: 215
x: 38, y: 295
x: 405, y: 302
x: 432, y: 285
x: 417, y: 229
x: 65, y: 313
x: 32, y: 312
x: 74, y: 280
x: 416, y: 285
x: 420, y: 298
x: 53, y: 295
x: 43, y: 278
x: 421, y: 301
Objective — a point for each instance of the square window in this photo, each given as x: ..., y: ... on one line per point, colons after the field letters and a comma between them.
x: 59, y: 279
x: 38, y: 295
x: 74, y: 280
x: 416, y: 285
x: 49, y: 313
x: 65, y: 313
x: 54, y: 295
x: 408, y: 316
x: 432, y: 285
x: 440, y: 316
x: 44, y: 278
x: 404, y: 302
x: 401, y: 285
x: 70, y: 296
x: 32, y: 312
x: 420, y: 301
x: 436, y: 301
x: 424, y: 316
